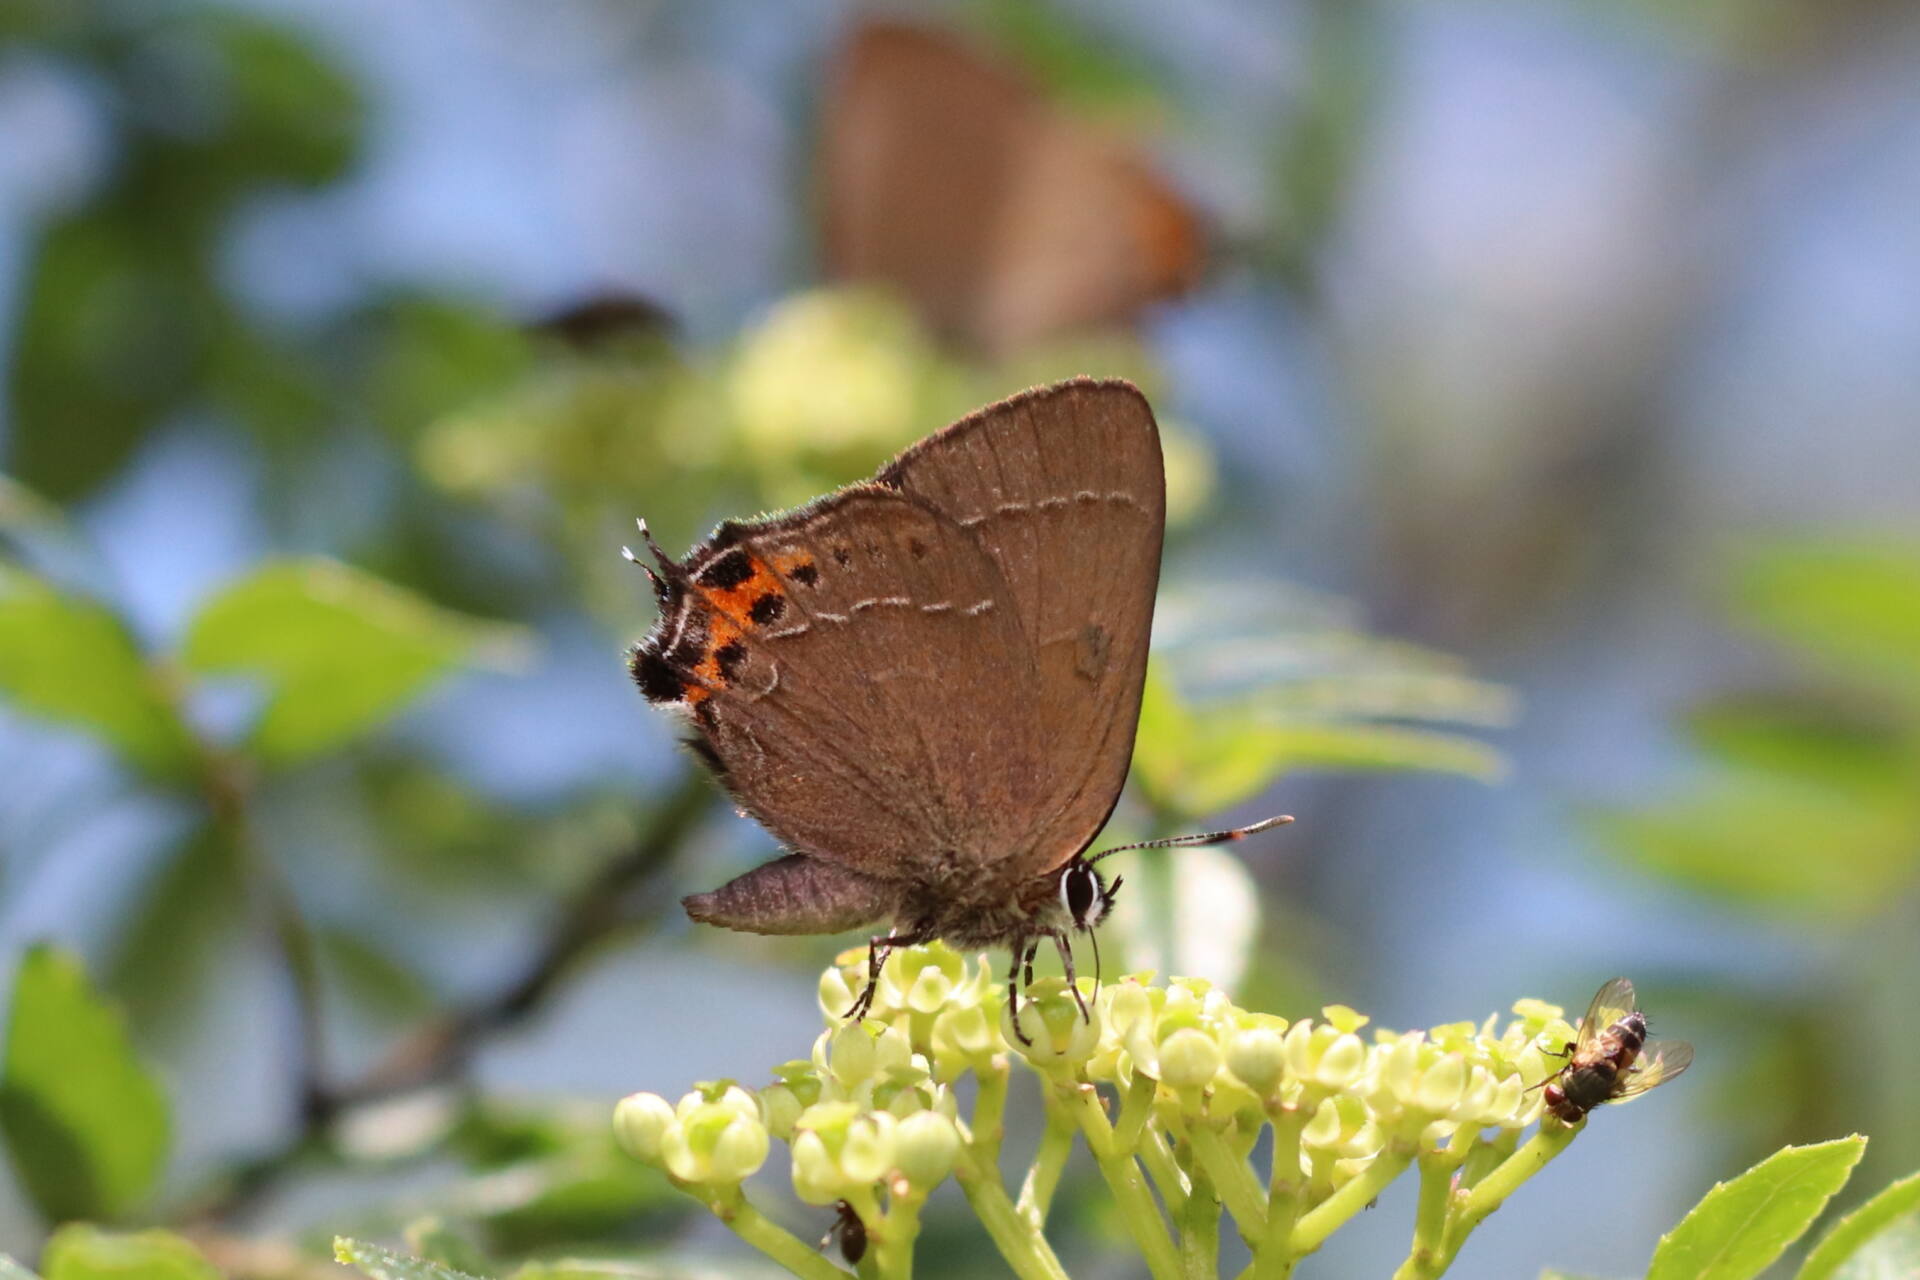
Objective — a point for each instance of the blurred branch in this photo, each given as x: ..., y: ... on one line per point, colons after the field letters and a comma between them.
x: 442, y: 1047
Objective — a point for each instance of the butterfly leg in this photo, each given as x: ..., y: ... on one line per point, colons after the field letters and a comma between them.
x: 1022, y: 960
x: 1061, y: 941
x: 878, y: 949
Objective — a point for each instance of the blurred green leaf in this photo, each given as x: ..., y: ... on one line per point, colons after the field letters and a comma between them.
x: 84, y: 1252
x: 585, y: 1196
x: 85, y: 1123
x: 1854, y: 606
x: 286, y: 113
x: 341, y: 650
x: 384, y: 1264
x: 72, y: 661
x: 436, y: 356
x: 434, y: 1239
x: 1741, y: 1226
x: 110, y: 339
x: 190, y: 908
x: 1778, y: 843
x: 1805, y: 738
x: 1199, y: 760
x: 1849, y: 1249
x: 1067, y: 59
x: 378, y: 982
x: 674, y: 1268
x: 1893, y: 1254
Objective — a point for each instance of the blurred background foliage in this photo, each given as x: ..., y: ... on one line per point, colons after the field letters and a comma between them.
x: 1539, y: 401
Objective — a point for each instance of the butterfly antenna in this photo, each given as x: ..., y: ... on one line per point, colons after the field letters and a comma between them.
x: 646, y: 536
x: 1200, y: 838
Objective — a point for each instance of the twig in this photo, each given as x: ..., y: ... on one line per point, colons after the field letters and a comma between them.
x: 441, y: 1048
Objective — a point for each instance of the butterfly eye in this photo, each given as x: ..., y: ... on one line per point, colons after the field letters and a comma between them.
x: 1081, y: 893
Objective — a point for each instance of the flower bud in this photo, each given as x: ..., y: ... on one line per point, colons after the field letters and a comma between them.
x: 1442, y: 1085
x: 1189, y: 1058
x: 962, y: 1038
x: 640, y: 1122
x: 1342, y: 1062
x: 836, y: 994
x: 780, y: 1106
x: 926, y: 1144
x: 1257, y: 1058
x: 1051, y: 1019
x: 838, y: 1147
x: 716, y: 1142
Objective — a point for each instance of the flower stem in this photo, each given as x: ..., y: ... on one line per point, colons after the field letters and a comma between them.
x: 1135, y: 1107
x: 1273, y: 1258
x: 894, y: 1251
x: 1056, y: 1144
x: 1494, y: 1189
x: 989, y: 1108
x: 1137, y: 1209
x: 1200, y: 1230
x: 1430, y: 1217
x: 785, y: 1248
x: 1234, y: 1181
x: 1168, y: 1177
x: 1026, y: 1250
x: 1312, y: 1230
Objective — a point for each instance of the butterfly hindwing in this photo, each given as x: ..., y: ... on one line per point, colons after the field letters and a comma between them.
x: 1063, y: 488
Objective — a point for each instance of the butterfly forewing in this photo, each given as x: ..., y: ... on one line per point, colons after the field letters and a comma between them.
x: 1659, y: 1062
x: 1611, y: 1002
x: 1063, y: 489
x: 830, y: 682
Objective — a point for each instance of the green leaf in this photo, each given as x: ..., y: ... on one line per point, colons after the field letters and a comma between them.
x: 85, y: 1123
x: 1892, y: 1212
x: 72, y: 661
x: 1894, y: 1254
x: 85, y: 1252
x: 384, y: 1264
x: 1853, y: 605
x: 1742, y: 836
x: 179, y: 924
x: 1740, y: 1227
x: 340, y: 650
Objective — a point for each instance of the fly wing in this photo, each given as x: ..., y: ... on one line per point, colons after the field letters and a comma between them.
x: 1659, y: 1062
x: 1612, y: 1002
x: 857, y: 674
x: 1062, y: 489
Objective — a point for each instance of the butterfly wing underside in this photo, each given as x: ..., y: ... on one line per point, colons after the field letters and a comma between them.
x: 1063, y: 488
x: 1004, y: 221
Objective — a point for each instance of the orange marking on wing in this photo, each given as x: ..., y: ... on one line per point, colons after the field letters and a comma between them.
x: 736, y: 603
x: 721, y: 631
x: 788, y: 563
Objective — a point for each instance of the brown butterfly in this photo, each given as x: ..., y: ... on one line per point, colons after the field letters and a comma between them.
x: 951, y: 179
x: 926, y: 685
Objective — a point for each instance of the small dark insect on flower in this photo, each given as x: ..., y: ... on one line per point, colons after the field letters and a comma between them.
x: 1613, y: 1059
x: 852, y: 1233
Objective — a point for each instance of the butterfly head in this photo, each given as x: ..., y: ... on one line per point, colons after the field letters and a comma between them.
x: 1086, y: 895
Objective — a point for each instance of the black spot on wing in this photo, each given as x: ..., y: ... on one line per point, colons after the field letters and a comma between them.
x: 729, y: 657
x: 727, y: 570
x: 767, y: 609
x: 805, y: 574
x: 656, y: 677
x: 843, y: 555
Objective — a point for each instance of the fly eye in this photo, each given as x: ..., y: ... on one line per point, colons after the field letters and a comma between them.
x: 1080, y: 890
